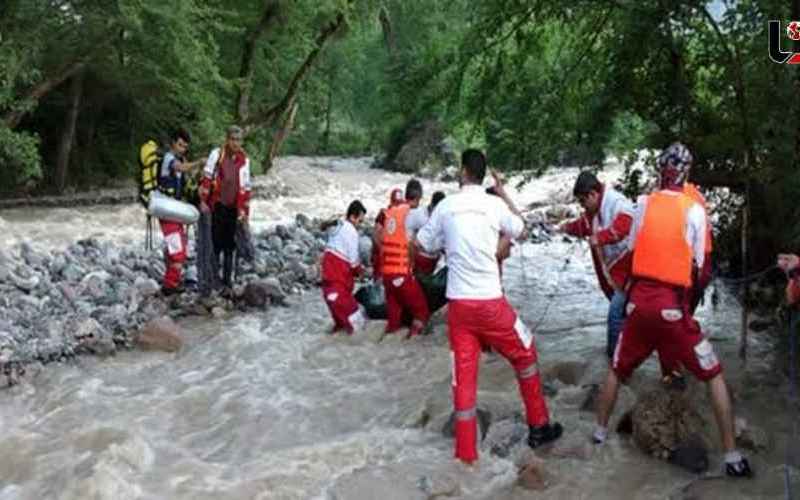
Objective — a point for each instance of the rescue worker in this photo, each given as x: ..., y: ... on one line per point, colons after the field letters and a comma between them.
x: 424, y: 263
x: 341, y: 264
x: 225, y: 193
x: 171, y: 183
x: 668, y: 243
x: 606, y: 222
x: 467, y: 226
x: 403, y: 292
x: 395, y: 198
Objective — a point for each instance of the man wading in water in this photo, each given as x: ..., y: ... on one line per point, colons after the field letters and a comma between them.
x: 467, y: 225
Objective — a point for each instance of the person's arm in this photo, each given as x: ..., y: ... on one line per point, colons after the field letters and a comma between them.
x: 579, y: 228
x: 501, y: 192
x: 245, y: 188
x: 696, y: 234
x: 430, y: 238
x: 511, y: 224
x: 616, y: 232
x: 353, y: 255
x: 207, y: 179
x: 790, y: 264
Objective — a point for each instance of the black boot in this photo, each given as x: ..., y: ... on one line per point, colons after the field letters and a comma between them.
x: 544, y: 434
x: 227, y: 269
x: 739, y: 469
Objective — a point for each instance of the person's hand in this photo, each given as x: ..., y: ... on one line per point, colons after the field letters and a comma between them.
x: 788, y: 262
x: 498, y: 181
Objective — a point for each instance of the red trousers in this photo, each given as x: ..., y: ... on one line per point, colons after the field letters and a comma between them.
x: 175, y: 251
x: 493, y: 322
x: 404, y: 293
x: 658, y: 319
x: 344, y: 309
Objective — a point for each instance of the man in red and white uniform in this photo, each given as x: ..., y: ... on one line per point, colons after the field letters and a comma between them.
x: 467, y: 227
x: 424, y: 263
x: 341, y: 264
x: 668, y: 244
x: 606, y: 222
x: 403, y: 292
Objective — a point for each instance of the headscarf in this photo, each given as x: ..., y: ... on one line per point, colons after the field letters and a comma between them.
x: 674, y: 164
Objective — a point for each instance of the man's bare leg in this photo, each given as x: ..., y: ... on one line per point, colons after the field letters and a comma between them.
x: 605, y: 405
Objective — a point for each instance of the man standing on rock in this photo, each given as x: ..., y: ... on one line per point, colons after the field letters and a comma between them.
x: 341, y: 264
x: 668, y: 244
x: 606, y: 221
x: 225, y: 192
x: 467, y: 226
x: 171, y: 183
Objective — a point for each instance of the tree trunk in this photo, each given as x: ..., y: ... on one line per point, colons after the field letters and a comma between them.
x: 326, y: 136
x: 12, y: 118
x: 388, y: 32
x: 280, y: 137
x: 270, y: 14
x: 270, y: 115
x: 68, y: 135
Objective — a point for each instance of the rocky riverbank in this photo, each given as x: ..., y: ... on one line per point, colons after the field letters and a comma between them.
x: 94, y: 296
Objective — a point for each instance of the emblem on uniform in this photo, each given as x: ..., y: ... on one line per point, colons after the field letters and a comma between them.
x: 391, y: 225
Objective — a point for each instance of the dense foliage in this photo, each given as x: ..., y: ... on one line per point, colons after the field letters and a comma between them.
x: 536, y: 82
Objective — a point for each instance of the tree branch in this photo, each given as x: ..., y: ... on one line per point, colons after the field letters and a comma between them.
x: 269, y: 115
x: 14, y: 117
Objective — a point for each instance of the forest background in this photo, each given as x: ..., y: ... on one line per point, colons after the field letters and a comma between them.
x: 536, y: 83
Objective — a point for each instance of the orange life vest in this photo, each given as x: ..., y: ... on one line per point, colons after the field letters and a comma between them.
x: 661, y: 251
x: 395, y: 241
x: 692, y: 192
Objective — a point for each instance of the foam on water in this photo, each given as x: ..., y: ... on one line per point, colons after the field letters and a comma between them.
x: 268, y: 406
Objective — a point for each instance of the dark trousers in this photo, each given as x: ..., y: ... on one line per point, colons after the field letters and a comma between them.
x: 224, y: 236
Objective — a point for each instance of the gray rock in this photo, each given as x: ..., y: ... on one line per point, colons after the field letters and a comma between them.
x: 73, y: 273
x: 292, y: 249
x: 283, y: 232
x: 274, y: 290
x: 91, y: 335
x: 302, y: 220
x: 255, y: 295
x: 146, y: 287
x: 5, y: 272
x: 27, y: 284
x: 57, y: 264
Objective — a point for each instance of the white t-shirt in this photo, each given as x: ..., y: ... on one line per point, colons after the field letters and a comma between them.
x: 467, y: 226
x: 695, y: 226
x: 343, y: 242
x: 416, y: 218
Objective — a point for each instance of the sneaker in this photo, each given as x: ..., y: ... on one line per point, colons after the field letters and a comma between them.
x: 738, y: 469
x: 544, y: 434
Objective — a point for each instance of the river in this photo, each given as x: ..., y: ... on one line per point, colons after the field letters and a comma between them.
x: 267, y: 406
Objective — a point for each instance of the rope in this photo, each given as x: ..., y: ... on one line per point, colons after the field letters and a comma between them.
x: 748, y: 278
x: 552, y: 297
x: 792, y: 399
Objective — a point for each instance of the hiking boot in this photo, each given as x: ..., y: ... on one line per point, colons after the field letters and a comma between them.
x: 544, y: 434
x: 738, y: 469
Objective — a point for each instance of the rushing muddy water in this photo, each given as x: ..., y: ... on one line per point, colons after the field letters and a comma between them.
x: 268, y: 406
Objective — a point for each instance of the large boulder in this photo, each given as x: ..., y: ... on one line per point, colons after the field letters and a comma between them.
x: 422, y: 149
x: 160, y: 334
x: 666, y: 425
